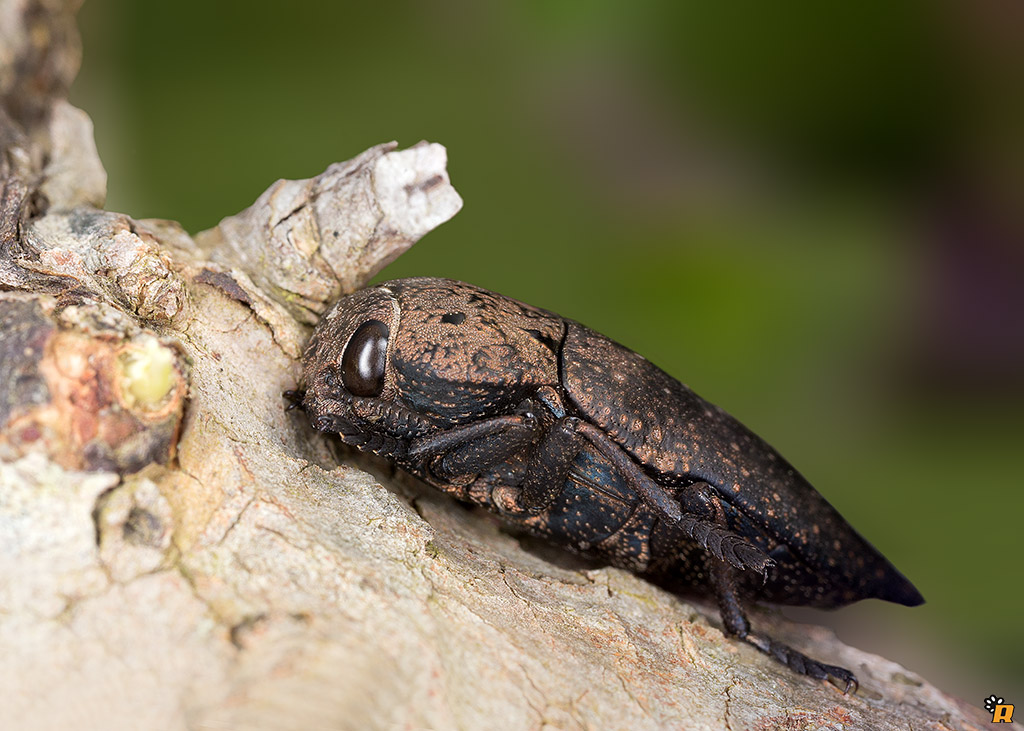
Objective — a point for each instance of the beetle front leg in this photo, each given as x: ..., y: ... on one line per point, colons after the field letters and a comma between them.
x: 475, y: 447
x: 723, y: 578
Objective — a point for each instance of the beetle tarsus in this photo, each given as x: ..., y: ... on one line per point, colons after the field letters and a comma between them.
x: 736, y: 623
x: 705, y: 523
x: 804, y: 665
x: 295, y: 397
x: 710, y: 535
x: 751, y: 557
x: 725, y: 545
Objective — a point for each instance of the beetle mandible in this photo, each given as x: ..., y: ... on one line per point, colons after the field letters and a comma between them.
x: 575, y: 438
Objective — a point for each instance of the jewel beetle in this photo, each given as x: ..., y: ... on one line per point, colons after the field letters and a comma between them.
x: 574, y: 438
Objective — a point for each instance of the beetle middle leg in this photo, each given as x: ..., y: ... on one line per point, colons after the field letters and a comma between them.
x: 704, y: 521
x: 723, y: 578
x: 707, y: 530
x: 549, y: 468
x: 546, y: 472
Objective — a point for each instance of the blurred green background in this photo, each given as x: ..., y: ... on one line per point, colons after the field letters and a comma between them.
x: 813, y: 214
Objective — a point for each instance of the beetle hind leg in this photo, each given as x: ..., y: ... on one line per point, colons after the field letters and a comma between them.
x: 707, y: 530
x: 737, y: 624
x: 800, y: 663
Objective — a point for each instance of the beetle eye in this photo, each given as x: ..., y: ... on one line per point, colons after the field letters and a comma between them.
x: 362, y: 365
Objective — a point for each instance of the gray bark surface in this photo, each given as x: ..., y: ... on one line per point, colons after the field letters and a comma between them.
x: 177, y: 552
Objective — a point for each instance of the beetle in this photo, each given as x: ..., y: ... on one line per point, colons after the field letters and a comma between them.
x: 570, y: 436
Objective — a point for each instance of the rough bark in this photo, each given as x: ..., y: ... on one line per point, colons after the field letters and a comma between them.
x: 178, y: 552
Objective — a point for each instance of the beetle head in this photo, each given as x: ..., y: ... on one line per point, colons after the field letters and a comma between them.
x: 345, y: 363
x: 432, y: 350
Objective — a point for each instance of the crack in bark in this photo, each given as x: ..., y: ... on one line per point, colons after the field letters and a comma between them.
x: 237, y: 520
x: 186, y: 573
x: 540, y: 711
x: 728, y: 705
x: 97, y: 509
x: 629, y: 694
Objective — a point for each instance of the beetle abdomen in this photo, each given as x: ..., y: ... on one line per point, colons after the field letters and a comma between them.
x: 681, y: 439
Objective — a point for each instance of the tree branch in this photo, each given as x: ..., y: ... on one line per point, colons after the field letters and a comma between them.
x: 177, y: 551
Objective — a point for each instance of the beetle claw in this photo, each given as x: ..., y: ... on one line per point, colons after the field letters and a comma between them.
x: 800, y: 663
x: 752, y: 557
x: 295, y: 397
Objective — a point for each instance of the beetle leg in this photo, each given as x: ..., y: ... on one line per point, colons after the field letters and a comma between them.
x: 546, y: 472
x: 704, y: 521
x: 472, y: 448
x: 723, y: 577
x: 710, y: 534
x: 651, y: 492
x: 295, y: 398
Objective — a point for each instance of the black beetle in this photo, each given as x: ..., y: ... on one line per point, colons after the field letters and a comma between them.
x: 575, y: 438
